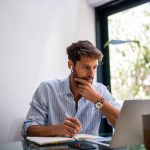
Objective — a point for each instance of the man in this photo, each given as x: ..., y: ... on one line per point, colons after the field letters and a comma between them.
x: 75, y: 104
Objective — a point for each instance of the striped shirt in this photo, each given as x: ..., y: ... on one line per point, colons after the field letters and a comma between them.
x: 53, y: 98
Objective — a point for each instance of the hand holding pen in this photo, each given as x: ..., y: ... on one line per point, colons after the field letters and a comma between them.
x: 72, y: 125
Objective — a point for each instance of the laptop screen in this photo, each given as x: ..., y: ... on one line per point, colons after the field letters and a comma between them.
x: 129, y: 128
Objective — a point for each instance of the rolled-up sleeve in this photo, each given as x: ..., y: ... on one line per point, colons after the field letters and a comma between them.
x: 38, y: 112
x: 106, y: 94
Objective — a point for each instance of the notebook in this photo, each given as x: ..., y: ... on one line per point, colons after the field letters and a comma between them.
x: 57, y: 140
x: 128, y: 129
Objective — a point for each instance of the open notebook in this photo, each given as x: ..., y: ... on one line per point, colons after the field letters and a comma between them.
x: 57, y: 140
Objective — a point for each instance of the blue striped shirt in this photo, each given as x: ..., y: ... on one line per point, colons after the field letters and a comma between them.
x: 53, y: 98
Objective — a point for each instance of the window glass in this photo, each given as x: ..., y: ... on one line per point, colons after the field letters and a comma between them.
x: 129, y: 47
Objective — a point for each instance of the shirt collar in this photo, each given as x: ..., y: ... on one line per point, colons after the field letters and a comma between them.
x: 67, y: 89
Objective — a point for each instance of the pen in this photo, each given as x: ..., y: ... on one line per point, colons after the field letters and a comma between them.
x: 66, y: 114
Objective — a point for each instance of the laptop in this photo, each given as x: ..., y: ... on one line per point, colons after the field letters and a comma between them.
x: 128, y: 129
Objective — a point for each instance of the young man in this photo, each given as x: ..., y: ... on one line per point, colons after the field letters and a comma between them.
x: 75, y: 104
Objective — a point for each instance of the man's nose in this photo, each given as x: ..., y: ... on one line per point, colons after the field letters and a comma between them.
x: 91, y: 72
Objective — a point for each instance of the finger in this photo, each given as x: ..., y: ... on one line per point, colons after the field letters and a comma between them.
x: 74, y: 130
x: 70, y: 129
x: 82, y: 81
x: 82, y: 86
x: 68, y: 133
x: 85, y: 87
x: 72, y: 125
x: 83, y: 92
x: 75, y: 120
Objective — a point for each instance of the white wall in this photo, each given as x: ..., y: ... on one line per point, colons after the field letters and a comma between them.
x: 33, y: 38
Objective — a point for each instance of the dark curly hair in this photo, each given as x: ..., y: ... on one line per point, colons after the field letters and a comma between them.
x: 83, y: 48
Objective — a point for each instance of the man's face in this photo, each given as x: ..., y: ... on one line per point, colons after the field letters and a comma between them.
x: 85, y: 68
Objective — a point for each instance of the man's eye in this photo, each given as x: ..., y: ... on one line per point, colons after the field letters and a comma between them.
x: 86, y: 68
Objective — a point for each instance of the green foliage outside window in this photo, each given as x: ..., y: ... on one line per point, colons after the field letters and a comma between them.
x: 130, y: 61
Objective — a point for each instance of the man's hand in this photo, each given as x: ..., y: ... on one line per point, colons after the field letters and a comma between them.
x: 87, y: 90
x: 71, y: 127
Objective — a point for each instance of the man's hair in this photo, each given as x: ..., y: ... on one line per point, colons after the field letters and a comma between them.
x: 83, y: 48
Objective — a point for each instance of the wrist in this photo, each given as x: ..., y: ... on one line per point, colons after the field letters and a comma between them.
x: 101, y: 99
x: 99, y: 103
x: 98, y: 98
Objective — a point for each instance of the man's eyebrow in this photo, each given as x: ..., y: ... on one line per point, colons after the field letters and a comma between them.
x: 84, y: 64
x: 89, y: 65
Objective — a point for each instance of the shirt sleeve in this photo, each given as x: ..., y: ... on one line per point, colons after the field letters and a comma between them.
x: 38, y: 112
x: 108, y: 96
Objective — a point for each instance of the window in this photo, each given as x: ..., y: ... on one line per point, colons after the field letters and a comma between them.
x: 123, y: 35
x: 129, y: 52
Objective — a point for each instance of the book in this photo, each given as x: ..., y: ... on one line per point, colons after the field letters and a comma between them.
x: 27, y: 145
x: 58, y: 140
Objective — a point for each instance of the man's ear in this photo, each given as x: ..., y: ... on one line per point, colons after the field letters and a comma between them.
x: 70, y: 65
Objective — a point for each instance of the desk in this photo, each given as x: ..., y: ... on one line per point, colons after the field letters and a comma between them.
x: 25, y: 145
